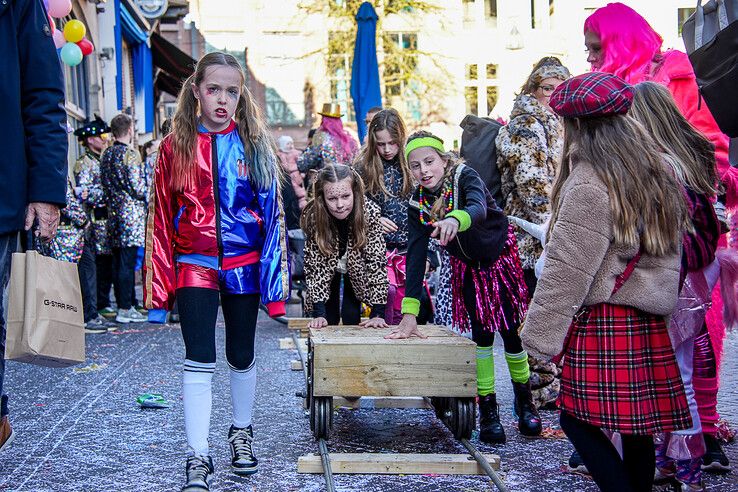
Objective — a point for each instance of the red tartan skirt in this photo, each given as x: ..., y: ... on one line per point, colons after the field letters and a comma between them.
x: 620, y: 374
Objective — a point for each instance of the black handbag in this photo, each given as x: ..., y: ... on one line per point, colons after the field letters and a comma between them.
x: 711, y: 38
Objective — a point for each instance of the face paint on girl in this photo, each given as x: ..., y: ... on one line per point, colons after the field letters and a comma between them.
x: 218, y: 94
x: 427, y: 167
x: 339, y: 198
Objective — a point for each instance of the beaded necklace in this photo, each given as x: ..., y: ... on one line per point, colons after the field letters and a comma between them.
x: 447, y: 197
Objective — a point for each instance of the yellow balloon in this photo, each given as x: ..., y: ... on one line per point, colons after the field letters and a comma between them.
x: 74, y: 31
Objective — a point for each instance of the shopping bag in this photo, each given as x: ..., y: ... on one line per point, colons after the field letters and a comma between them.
x: 45, y: 323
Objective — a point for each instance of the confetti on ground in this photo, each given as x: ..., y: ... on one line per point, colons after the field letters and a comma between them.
x: 91, y: 368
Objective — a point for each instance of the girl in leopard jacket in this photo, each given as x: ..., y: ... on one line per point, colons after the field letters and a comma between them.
x: 344, y: 242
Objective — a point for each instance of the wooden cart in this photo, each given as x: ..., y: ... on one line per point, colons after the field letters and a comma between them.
x: 352, y: 361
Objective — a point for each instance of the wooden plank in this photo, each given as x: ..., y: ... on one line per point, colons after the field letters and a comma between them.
x: 297, y: 323
x: 357, y: 334
x: 372, y: 402
x: 288, y: 343
x: 394, y: 464
x: 296, y: 365
x: 357, y: 361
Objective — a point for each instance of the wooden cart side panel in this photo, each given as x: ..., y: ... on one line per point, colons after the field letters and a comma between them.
x: 394, y: 370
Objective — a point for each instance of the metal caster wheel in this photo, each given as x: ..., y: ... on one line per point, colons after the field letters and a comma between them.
x: 321, y: 416
x: 465, y: 416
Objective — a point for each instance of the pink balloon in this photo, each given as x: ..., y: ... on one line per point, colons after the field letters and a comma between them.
x: 59, y: 40
x: 60, y: 8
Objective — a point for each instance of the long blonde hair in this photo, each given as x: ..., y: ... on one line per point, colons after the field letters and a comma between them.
x: 257, y: 140
x: 693, y: 155
x: 453, y: 160
x: 646, y: 201
x: 317, y: 221
x: 369, y: 164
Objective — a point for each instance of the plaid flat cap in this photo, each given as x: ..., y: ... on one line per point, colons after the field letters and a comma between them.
x: 592, y: 94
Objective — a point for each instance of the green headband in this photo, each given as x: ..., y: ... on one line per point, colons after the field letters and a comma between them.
x: 417, y: 143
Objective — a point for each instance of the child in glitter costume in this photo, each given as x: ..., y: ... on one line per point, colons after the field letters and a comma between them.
x: 488, y: 291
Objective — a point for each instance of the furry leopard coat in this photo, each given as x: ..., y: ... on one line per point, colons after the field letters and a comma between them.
x: 367, y: 269
x: 528, y: 150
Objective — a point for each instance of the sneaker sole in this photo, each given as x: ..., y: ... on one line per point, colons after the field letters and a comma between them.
x: 579, y: 469
x: 96, y: 332
x: 112, y: 328
x: 716, y: 466
x: 9, y: 441
x: 242, y: 472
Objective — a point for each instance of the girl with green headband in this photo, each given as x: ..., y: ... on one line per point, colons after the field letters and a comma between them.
x: 488, y: 293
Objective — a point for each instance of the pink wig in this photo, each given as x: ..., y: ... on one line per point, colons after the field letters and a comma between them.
x: 629, y: 43
x: 346, y: 144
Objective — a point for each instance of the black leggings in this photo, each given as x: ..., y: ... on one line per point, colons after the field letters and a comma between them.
x: 198, y: 312
x: 631, y: 473
x: 481, y: 336
x: 349, y: 310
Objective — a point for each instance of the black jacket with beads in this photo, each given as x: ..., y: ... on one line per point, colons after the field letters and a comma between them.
x: 480, y: 244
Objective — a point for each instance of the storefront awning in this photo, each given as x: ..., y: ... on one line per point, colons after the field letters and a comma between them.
x: 175, y: 64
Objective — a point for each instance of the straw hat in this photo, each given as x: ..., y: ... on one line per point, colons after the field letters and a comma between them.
x: 331, y: 110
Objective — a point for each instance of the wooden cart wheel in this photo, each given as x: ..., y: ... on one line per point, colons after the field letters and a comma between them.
x: 466, y: 419
x: 322, y: 415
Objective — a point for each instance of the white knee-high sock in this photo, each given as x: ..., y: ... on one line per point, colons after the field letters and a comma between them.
x: 198, y: 401
x: 243, y: 391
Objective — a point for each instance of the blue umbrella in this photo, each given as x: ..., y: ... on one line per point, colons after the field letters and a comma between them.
x: 365, y: 69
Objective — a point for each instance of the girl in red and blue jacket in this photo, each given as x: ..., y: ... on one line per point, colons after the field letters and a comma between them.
x: 216, y: 230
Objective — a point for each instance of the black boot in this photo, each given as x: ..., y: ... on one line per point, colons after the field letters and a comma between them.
x: 529, y: 422
x: 490, y: 428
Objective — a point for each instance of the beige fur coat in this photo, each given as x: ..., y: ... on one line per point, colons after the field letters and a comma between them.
x: 582, y: 263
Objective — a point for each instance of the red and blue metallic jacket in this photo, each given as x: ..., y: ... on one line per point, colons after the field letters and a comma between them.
x: 224, y: 222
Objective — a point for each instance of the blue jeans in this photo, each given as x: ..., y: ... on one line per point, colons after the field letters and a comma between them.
x: 7, y: 248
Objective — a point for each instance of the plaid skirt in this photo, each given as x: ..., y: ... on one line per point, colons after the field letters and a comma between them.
x: 620, y: 374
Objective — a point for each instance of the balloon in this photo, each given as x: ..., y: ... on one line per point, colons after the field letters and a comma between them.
x: 59, y: 8
x: 52, y: 24
x: 74, y: 31
x: 59, y: 39
x: 86, y: 46
x: 71, y: 54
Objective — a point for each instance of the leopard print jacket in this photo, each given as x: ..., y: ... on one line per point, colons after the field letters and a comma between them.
x: 528, y: 151
x: 367, y: 269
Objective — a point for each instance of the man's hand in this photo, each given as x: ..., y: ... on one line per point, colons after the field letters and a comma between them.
x: 387, y: 225
x: 319, y: 322
x: 407, y: 328
x: 47, y: 215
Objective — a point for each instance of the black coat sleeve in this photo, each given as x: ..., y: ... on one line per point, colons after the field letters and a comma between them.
x: 475, y: 197
x: 417, y: 253
x: 42, y: 106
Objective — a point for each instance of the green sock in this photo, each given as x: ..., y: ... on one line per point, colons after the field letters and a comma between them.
x: 485, y: 371
x: 518, y: 366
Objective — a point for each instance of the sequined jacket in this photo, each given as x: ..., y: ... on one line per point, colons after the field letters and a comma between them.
x: 223, y: 221
x: 69, y: 241
x: 323, y: 151
x: 125, y: 193
x: 87, y: 173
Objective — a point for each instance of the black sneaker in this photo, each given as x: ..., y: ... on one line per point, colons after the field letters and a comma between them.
x: 714, y: 459
x: 96, y: 326
x: 199, y: 472
x: 243, y: 460
x: 576, y: 464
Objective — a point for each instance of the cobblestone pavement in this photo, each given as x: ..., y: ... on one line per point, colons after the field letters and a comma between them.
x: 82, y: 431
